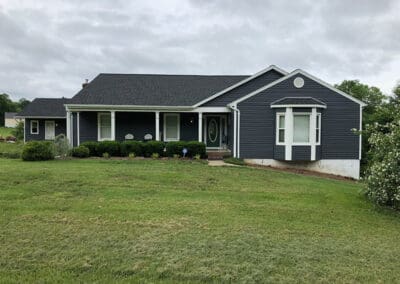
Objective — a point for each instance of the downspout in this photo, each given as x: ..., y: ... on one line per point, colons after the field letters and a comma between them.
x: 236, y: 118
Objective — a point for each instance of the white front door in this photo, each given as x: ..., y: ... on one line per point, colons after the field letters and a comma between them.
x: 49, y: 130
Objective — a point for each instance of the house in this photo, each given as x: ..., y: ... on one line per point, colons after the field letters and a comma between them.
x: 10, y: 120
x: 270, y: 118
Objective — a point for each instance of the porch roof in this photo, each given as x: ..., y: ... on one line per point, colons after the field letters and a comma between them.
x: 151, y: 89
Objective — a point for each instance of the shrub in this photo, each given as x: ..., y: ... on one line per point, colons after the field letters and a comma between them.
x: 196, y: 148
x: 113, y: 148
x: 128, y: 147
x: 132, y: 155
x: 155, y: 155
x: 197, y: 157
x: 175, y: 148
x: 80, y: 152
x: 106, y: 155
x: 91, y: 145
x: 61, y: 146
x: 18, y: 131
x: 193, y: 148
x: 151, y: 147
x: 383, y: 174
x: 176, y: 156
x: 38, y: 151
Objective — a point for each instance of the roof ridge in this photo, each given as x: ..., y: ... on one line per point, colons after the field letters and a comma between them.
x: 158, y: 74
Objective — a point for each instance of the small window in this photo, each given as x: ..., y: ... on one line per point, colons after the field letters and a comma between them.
x: 34, y: 127
x: 104, y: 126
x: 301, y: 128
x: 171, y: 127
x: 318, y: 129
x: 281, y: 128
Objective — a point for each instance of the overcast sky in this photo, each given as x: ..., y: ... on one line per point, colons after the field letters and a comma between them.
x: 48, y: 48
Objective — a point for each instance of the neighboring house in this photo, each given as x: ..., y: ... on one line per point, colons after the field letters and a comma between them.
x: 10, y: 120
x: 270, y: 118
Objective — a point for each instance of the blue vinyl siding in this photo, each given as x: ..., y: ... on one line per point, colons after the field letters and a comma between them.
x: 60, y: 128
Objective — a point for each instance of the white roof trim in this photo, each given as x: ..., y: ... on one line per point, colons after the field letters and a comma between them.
x: 295, y: 72
x: 281, y: 99
x: 269, y: 68
x: 298, y: 106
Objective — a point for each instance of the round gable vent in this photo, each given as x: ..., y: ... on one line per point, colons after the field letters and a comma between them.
x: 298, y: 82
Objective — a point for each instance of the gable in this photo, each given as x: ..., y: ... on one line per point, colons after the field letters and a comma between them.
x: 244, y: 89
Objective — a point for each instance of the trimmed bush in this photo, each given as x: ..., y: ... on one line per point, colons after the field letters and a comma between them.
x: 128, y: 147
x: 38, y: 151
x: 175, y: 148
x: 194, y: 148
x: 91, y: 145
x: 151, y: 147
x: 113, y: 148
x: 80, y: 152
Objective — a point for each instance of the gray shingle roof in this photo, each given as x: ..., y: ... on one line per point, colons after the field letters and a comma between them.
x: 45, y: 107
x: 9, y: 115
x: 155, y: 90
x: 298, y: 101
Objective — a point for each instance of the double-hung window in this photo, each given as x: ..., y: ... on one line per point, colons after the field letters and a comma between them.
x: 104, y: 126
x: 34, y: 127
x: 171, y: 127
x: 280, y: 129
x: 318, y: 129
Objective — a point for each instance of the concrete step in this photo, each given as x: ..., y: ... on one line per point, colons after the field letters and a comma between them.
x: 218, y: 155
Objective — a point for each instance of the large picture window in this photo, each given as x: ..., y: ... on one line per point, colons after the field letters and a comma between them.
x: 104, y: 123
x: 301, y: 128
x: 171, y: 127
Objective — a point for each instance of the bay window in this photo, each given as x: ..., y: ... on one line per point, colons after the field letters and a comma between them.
x: 171, y: 127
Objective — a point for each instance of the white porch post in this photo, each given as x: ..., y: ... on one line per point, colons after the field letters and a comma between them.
x: 113, y: 125
x: 157, y: 126
x: 313, y: 138
x: 234, y: 132
x: 200, y: 126
x: 288, y: 133
x: 69, y: 127
x: 77, y: 129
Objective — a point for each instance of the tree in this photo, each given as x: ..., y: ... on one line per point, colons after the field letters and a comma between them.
x: 6, y: 105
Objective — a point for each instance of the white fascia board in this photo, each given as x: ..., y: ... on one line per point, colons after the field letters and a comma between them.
x: 269, y: 68
x: 296, y: 72
x: 299, y: 106
x: 41, y: 117
x: 132, y: 108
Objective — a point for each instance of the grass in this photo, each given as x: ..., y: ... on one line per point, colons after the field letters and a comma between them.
x: 172, y: 221
x: 235, y: 161
x: 5, y: 131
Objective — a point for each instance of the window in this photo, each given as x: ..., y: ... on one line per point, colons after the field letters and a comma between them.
x: 171, y: 127
x: 104, y: 126
x: 280, y: 118
x: 34, y: 127
x: 301, y: 128
x: 318, y: 129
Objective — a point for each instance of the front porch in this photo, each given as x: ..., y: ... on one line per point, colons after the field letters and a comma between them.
x: 212, y: 128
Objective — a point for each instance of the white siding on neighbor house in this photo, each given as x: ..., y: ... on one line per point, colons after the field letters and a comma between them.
x: 10, y: 122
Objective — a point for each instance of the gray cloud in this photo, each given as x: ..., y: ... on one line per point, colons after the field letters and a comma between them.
x: 47, y: 49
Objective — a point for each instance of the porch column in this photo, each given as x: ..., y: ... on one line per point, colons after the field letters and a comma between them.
x: 313, y: 138
x: 77, y: 129
x: 113, y: 125
x: 157, y: 126
x: 69, y: 128
x: 200, y: 126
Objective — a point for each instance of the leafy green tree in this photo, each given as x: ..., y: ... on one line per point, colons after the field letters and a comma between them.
x: 6, y: 105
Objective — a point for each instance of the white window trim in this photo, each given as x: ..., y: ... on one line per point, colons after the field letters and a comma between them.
x: 37, y: 126
x: 309, y: 133
x: 278, y: 114
x: 178, y: 127
x: 99, y: 128
x: 319, y: 128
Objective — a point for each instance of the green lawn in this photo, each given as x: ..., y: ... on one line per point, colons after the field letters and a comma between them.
x: 172, y: 221
x: 5, y: 131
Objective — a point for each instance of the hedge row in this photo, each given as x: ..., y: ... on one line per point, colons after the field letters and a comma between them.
x: 146, y: 149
